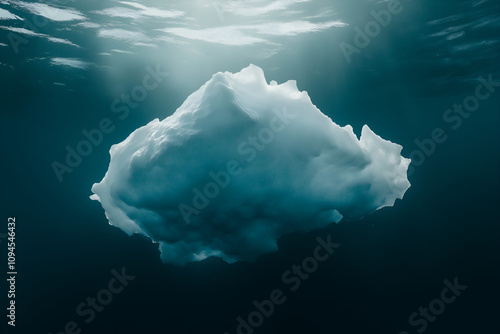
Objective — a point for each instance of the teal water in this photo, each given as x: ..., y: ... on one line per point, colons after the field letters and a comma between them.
x: 428, y: 58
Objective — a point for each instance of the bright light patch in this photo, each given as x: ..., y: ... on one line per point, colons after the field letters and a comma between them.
x: 6, y: 15
x: 70, y: 62
x: 52, y: 13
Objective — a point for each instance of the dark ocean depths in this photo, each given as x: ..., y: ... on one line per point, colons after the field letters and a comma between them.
x: 62, y: 65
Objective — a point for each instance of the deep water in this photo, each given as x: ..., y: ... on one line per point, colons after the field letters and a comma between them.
x: 388, y: 265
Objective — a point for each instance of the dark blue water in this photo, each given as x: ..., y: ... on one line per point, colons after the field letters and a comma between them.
x: 402, y: 83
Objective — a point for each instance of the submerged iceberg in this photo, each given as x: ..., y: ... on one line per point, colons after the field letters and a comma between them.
x: 240, y: 164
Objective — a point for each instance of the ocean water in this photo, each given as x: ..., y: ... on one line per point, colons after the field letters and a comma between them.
x: 63, y: 74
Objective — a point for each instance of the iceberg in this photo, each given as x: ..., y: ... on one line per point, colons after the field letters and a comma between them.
x: 240, y: 164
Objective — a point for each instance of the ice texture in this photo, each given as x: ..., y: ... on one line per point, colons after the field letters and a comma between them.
x: 240, y: 164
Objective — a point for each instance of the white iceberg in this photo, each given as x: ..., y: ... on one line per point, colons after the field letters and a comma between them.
x: 240, y: 164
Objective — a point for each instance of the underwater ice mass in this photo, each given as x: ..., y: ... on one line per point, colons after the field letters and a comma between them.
x: 240, y: 164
